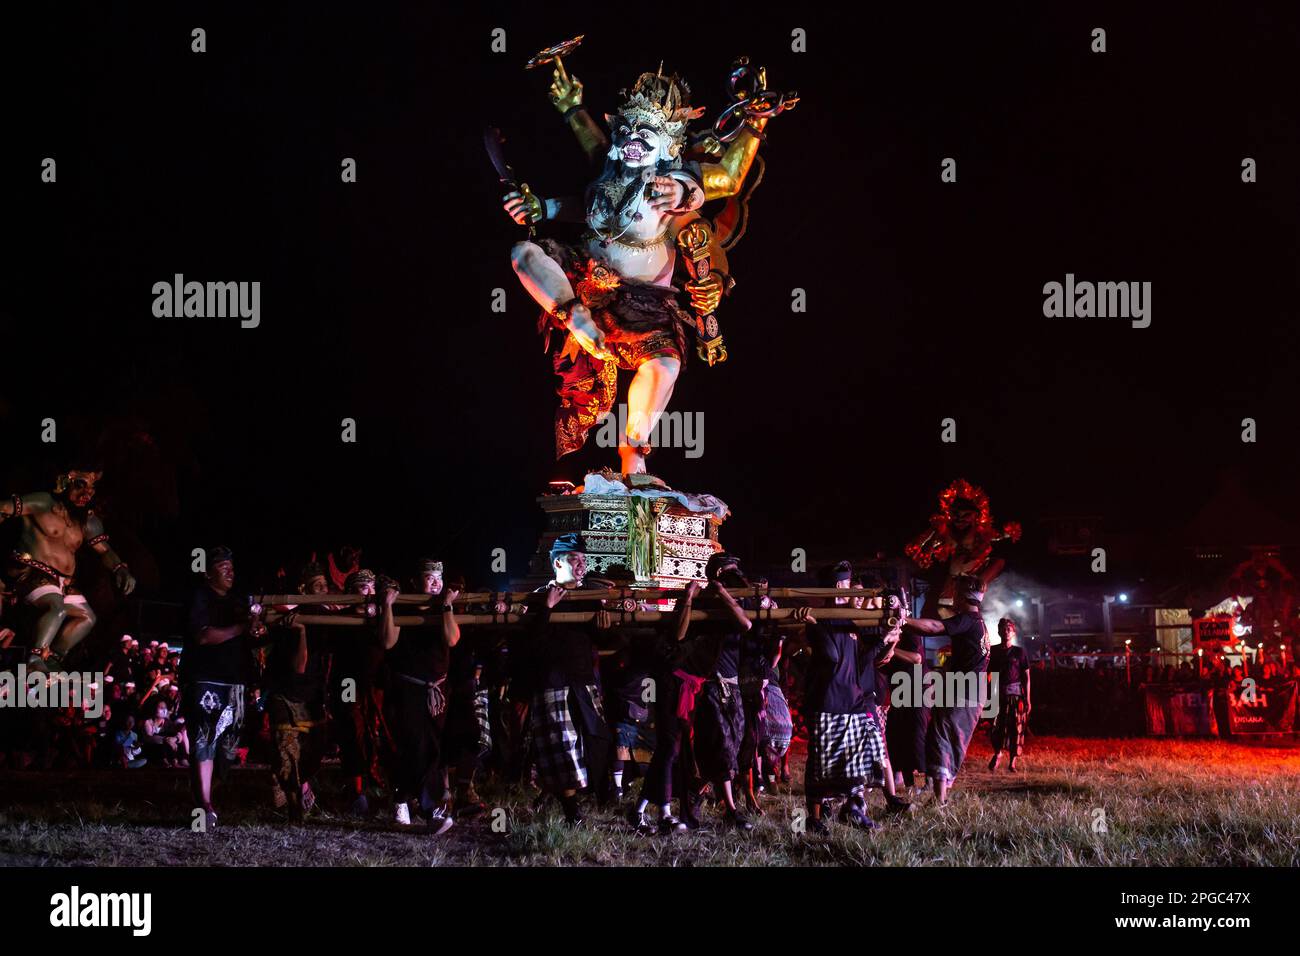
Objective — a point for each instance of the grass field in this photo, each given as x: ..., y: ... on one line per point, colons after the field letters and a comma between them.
x: 1165, y: 803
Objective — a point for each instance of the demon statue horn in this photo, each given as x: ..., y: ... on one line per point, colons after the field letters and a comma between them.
x: 612, y: 294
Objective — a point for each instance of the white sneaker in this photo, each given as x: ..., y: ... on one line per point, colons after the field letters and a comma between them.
x: 402, y: 815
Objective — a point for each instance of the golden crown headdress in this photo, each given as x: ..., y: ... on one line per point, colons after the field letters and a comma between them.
x: 662, y: 102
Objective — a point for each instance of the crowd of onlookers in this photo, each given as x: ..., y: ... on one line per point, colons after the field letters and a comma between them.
x: 132, y: 719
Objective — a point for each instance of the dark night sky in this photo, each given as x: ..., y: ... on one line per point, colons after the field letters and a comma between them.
x: 822, y: 431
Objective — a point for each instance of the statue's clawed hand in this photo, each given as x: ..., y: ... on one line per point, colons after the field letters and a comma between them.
x: 566, y: 90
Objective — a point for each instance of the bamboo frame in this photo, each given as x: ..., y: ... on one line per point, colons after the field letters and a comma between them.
x: 594, y: 594
x: 870, y: 617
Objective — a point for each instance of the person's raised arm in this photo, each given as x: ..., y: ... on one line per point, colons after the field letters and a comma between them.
x: 683, y: 623
x: 731, y: 604
x: 780, y: 648
x: 388, y: 629
x: 152, y: 689
x: 888, y: 649
x: 450, y: 627
x: 926, y: 625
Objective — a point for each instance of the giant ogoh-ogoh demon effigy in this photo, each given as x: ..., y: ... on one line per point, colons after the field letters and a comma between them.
x: 960, y: 540
x: 645, y: 278
x: 650, y: 269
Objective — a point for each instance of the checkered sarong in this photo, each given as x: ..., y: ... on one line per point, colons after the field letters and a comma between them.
x: 482, y: 716
x: 560, y: 760
x: 845, y: 748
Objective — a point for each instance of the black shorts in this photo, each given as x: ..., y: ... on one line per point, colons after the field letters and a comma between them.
x: 214, y: 717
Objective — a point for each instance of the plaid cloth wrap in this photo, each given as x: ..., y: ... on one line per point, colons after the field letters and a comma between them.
x: 1009, y: 725
x: 561, y: 762
x: 845, y: 749
x: 482, y: 716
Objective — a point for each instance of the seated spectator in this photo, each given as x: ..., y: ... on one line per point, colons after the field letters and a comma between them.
x: 162, y: 741
x: 128, y: 746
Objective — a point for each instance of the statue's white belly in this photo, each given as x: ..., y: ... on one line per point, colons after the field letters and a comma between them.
x: 652, y: 263
x: 642, y: 250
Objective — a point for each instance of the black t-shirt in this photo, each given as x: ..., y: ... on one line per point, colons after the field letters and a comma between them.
x: 729, y: 653
x: 970, y: 642
x: 914, y: 642
x: 357, y: 652
x: 281, y: 676
x: 420, y: 652
x: 465, y: 659
x: 561, y: 654
x: 757, y: 648
x: 715, y: 645
x: 841, y: 677
x: 1011, y: 662
x: 224, y: 663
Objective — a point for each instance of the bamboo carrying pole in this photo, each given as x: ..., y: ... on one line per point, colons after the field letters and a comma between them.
x: 870, y: 617
x: 593, y: 594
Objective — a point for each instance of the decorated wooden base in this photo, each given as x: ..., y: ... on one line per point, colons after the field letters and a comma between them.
x: 636, y: 537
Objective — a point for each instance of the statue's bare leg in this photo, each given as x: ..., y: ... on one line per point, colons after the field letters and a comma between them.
x: 647, y: 397
x: 546, y: 282
x: 541, y: 275
x: 80, y: 622
x: 54, y: 613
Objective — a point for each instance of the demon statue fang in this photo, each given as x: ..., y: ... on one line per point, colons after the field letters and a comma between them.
x: 621, y: 296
